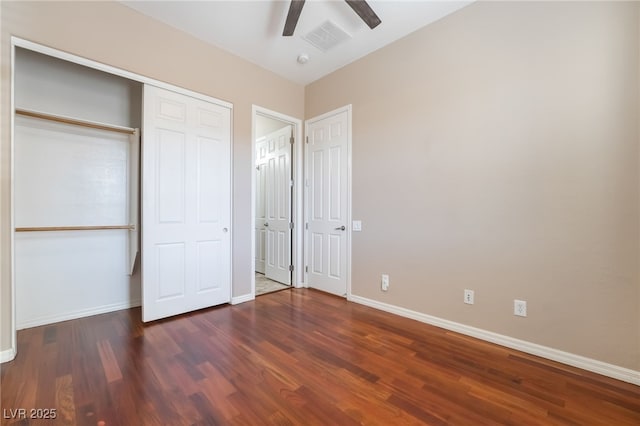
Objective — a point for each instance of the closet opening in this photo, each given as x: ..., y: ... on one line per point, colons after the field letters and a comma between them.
x: 76, y: 187
x: 81, y: 234
x: 84, y: 242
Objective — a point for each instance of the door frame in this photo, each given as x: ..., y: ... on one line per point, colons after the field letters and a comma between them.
x: 298, y: 278
x: 348, y: 109
x: 11, y: 353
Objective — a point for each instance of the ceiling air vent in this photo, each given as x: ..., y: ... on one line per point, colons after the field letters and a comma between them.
x: 327, y: 36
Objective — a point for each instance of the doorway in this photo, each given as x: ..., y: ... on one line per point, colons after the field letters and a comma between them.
x: 276, y: 194
x: 328, y: 202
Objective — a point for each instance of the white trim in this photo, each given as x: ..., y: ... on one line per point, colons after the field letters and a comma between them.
x: 298, y: 177
x: 50, y: 319
x: 232, y: 222
x: 595, y: 366
x: 12, y: 115
x: 7, y: 355
x: 348, y: 109
x: 242, y: 299
x: 89, y: 63
x: 349, y: 194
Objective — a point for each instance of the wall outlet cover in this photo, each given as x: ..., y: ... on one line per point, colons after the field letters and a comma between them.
x: 385, y: 282
x: 469, y: 297
x: 520, y: 308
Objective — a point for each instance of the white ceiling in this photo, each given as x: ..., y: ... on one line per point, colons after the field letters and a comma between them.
x: 253, y: 29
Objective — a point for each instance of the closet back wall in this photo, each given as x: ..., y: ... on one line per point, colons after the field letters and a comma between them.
x: 48, y: 84
x: 113, y: 34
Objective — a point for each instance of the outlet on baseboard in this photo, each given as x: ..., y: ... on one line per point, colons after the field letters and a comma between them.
x: 385, y: 282
x: 520, y: 308
x: 468, y: 297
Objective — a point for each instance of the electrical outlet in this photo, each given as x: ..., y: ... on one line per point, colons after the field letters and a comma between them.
x: 520, y: 308
x: 385, y: 282
x: 468, y: 297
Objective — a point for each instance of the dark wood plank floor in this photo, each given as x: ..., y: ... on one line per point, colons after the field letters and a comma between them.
x: 294, y: 357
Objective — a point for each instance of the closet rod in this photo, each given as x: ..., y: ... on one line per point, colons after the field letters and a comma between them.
x: 75, y: 121
x: 75, y: 228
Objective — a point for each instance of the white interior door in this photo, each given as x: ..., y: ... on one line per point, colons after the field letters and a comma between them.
x: 261, y: 206
x: 327, y: 166
x: 278, y: 206
x: 186, y: 204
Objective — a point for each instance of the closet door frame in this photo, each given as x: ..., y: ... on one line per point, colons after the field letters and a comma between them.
x: 17, y: 42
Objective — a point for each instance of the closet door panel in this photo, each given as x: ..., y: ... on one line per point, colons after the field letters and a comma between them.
x: 186, y: 157
x: 170, y: 176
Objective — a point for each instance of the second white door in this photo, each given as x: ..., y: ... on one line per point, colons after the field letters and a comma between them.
x: 273, y: 218
x: 327, y: 167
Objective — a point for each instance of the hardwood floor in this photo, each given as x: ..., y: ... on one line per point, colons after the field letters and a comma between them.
x: 294, y: 357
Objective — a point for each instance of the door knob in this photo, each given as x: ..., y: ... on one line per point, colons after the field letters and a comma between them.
x: 266, y: 224
x: 341, y: 228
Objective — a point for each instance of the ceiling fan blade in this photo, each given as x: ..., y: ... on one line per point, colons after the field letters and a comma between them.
x: 292, y: 17
x: 364, y: 11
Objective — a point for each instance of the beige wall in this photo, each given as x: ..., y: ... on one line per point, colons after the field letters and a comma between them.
x: 116, y: 35
x: 497, y: 150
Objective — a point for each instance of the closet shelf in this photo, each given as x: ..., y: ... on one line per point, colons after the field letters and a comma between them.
x: 75, y: 121
x: 75, y: 228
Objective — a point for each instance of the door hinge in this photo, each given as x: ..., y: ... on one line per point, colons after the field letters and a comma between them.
x: 306, y: 269
x: 291, y: 183
x: 290, y: 225
x: 307, y: 139
x: 291, y: 140
x: 306, y: 225
x: 290, y: 268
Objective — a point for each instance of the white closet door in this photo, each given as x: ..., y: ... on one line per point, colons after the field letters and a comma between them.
x: 186, y: 204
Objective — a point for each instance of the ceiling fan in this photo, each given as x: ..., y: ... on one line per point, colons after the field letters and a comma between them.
x: 361, y: 7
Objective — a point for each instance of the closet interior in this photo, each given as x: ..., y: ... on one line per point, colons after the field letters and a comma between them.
x: 76, y: 190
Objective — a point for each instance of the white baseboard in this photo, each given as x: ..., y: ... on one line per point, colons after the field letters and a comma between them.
x: 50, y: 319
x: 241, y: 299
x: 609, y: 370
x: 7, y: 355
